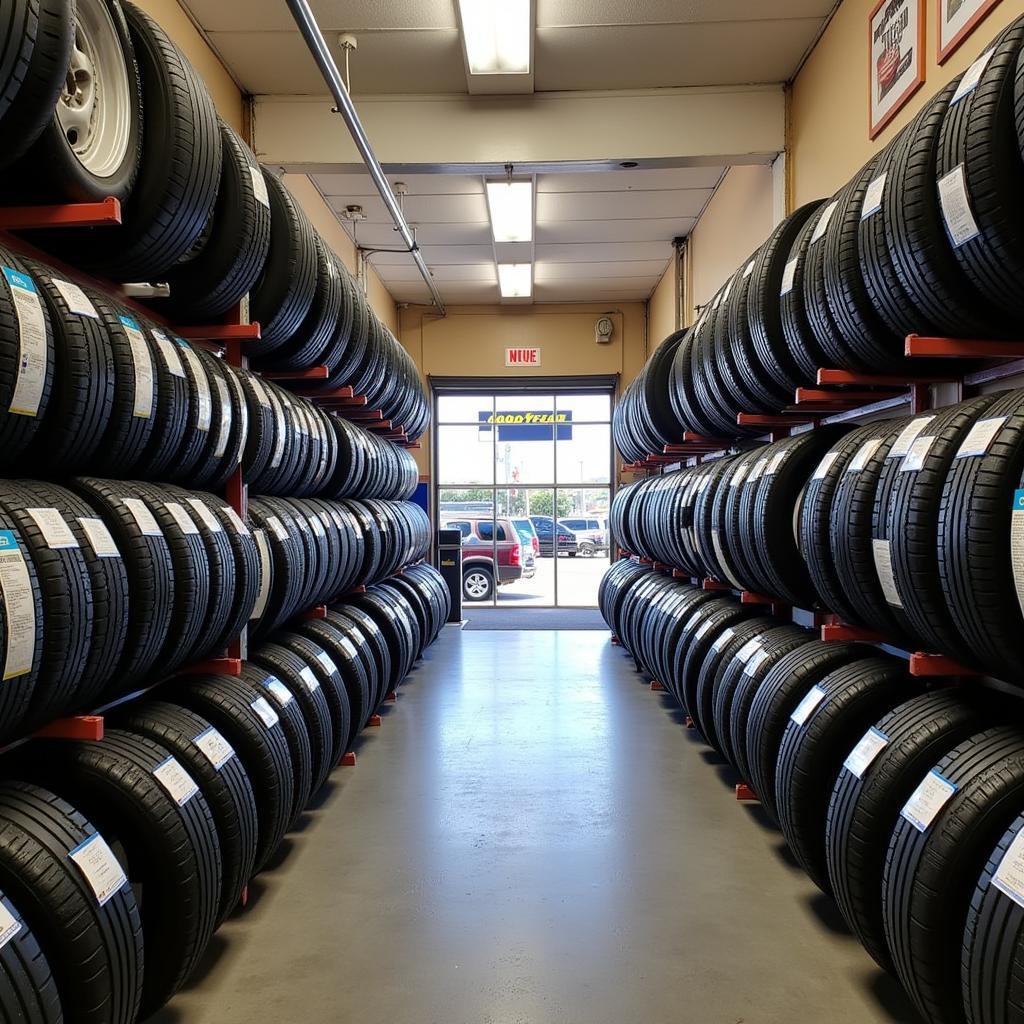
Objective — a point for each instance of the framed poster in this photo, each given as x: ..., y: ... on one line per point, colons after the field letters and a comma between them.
x: 896, y: 48
x: 955, y: 20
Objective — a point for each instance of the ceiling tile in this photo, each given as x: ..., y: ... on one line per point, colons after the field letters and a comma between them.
x: 422, y: 209
x: 655, y: 230
x: 278, y: 62
x: 599, y: 252
x: 345, y: 15
x: 435, y: 255
x: 471, y: 272
x: 590, y: 271
x: 630, y: 180
x: 620, y: 205
x: 351, y: 185
x: 717, y: 53
x: 426, y: 234
x: 571, y: 291
x: 653, y: 12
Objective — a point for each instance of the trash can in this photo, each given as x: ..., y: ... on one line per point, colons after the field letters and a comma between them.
x: 449, y: 562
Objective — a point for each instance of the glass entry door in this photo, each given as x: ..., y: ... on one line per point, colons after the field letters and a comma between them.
x: 526, y: 478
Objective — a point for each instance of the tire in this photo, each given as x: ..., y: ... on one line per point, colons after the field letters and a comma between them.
x: 28, y: 993
x: 284, y: 292
x: 179, y: 172
x: 82, y: 399
x: 235, y: 243
x: 98, y: 962
x: 477, y: 584
x: 173, y: 405
x: 147, y: 559
x: 218, y: 771
x: 230, y: 704
x: 293, y: 726
x: 843, y: 704
x: 91, y: 146
x: 164, y: 827
x: 782, y: 686
x: 42, y: 74
x: 877, y: 778
x: 27, y: 358
x: 930, y: 875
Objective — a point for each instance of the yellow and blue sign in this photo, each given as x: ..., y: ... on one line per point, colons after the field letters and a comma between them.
x: 526, y: 425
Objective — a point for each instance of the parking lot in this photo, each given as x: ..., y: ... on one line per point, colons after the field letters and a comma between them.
x: 578, y: 579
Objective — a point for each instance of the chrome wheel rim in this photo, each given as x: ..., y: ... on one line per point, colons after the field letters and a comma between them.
x: 476, y: 586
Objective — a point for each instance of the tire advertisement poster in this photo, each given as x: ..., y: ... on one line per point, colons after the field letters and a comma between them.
x: 896, y: 48
x: 957, y: 19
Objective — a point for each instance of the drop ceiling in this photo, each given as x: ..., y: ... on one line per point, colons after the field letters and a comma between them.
x: 599, y: 236
x: 603, y: 235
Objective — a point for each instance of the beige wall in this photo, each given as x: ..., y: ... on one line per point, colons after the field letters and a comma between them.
x: 736, y: 221
x: 471, y: 341
x: 829, y: 105
x: 661, y: 306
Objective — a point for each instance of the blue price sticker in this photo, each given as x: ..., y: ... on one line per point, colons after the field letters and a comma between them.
x: 7, y: 540
x: 129, y: 323
x: 1018, y: 499
x: 18, y: 280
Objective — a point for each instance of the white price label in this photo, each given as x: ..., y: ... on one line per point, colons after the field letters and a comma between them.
x: 261, y: 392
x: 864, y: 454
x: 722, y: 640
x: 928, y: 799
x: 972, y: 76
x: 755, y: 661
x: 777, y: 460
x: 956, y: 207
x: 236, y: 521
x: 142, y: 363
x: 266, y: 569
x: 739, y: 475
x: 755, y: 473
x: 873, y: 197
x: 705, y: 626
x: 749, y: 268
x: 278, y: 527
x: 1017, y: 545
x: 317, y: 526
x: 280, y: 431
x: 310, y: 679
x: 224, y: 427
x: 103, y: 545
x: 180, y: 786
x: 980, y: 437
x: 825, y: 465
x: 860, y: 759
x: 54, y: 528
x: 9, y: 926
x: 143, y: 517
x: 1009, y: 875
x: 823, y: 221
x: 325, y: 659
x: 185, y: 522
x: 205, y: 513
x: 746, y: 652
x: 77, y: 301
x: 883, y: 567
x: 101, y: 868
x: 259, y: 186
x: 169, y: 353
x: 915, y: 459
x: 19, y: 605
x: 804, y: 709
x: 907, y: 436
x: 204, y: 403
x: 788, y: 276
x: 265, y: 711
x: 32, y: 354
x: 280, y: 692
x: 217, y: 749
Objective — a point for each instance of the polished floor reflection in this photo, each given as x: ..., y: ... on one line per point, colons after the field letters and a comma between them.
x: 532, y: 838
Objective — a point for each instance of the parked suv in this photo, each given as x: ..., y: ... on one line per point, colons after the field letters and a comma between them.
x: 528, y: 534
x: 591, y: 537
x: 516, y: 560
x: 545, y: 527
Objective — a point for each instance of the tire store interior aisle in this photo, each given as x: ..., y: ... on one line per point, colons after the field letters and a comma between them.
x: 542, y: 842
x: 511, y: 512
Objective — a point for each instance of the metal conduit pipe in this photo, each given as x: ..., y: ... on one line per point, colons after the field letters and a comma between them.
x: 321, y: 53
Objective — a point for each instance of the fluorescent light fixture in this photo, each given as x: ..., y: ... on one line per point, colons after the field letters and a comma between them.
x: 515, y: 280
x: 497, y: 36
x: 511, y: 206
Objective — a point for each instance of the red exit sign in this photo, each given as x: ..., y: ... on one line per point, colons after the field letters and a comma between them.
x: 522, y: 357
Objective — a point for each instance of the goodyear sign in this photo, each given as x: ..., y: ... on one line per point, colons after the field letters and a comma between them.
x: 526, y: 426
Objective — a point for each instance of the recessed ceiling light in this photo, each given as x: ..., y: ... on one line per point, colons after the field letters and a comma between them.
x: 515, y: 280
x: 511, y: 206
x: 497, y: 36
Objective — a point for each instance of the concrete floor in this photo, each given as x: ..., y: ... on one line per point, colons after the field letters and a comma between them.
x: 532, y: 837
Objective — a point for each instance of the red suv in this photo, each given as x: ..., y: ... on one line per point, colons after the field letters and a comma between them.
x: 516, y: 560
